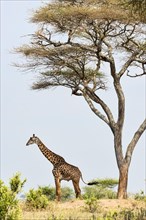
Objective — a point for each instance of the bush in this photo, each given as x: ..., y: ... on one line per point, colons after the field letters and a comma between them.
x: 140, y: 196
x: 16, y: 184
x: 36, y: 200
x: 9, y: 207
x: 129, y: 214
x: 66, y: 193
x: 50, y: 192
x: 98, y: 193
x: 103, y: 190
x: 92, y: 205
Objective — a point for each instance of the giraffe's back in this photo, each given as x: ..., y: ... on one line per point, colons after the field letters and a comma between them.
x: 67, y: 172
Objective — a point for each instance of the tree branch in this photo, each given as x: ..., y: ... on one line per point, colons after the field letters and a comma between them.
x: 134, y: 141
x: 92, y: 107
x: 106, y: 109
x: 142, y: 67
x: 136, y: 75
x: 111, y: 59
x: 121, y: 103
x: 118, y: 88
x: 127, y: 64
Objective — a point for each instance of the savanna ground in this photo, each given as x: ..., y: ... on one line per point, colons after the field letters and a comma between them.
x: 103, y: 209
x: 98, y: 203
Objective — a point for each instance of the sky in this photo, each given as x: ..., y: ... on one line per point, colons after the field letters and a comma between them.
x: 63, y: 122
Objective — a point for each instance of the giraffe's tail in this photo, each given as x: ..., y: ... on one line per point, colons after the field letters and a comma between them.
x: 93, y: 183
x: 90, y: 183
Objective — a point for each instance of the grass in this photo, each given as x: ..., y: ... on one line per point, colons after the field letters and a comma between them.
x: 98, y: 204
x: 79, y: 210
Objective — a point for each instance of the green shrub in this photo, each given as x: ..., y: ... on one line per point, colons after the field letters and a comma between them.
x: 16, y: 184
x: 103, y: 190
x: 36, y: 200
x: 50, y: 192
x: 98, y: 192
x: 66, y: 193
x: 9, y: 207
x: 91, y: 204
x: 126, y: 214
x: 140, y: 196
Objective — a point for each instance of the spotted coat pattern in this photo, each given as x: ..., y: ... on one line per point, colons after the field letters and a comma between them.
x: 61, y: 169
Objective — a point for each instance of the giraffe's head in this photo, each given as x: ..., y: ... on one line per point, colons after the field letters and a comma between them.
x: 32, y: 140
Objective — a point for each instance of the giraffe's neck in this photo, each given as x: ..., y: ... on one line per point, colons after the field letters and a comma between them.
x: 52, y: 157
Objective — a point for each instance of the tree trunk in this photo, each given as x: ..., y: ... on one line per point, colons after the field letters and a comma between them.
x: 124, y: 163
x: 123, y: 181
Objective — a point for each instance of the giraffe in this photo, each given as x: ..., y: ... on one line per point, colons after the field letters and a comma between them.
x: 61, y: 169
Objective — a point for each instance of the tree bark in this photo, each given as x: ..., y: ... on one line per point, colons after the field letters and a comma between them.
x: 123, y: 181
x: 122, y: 165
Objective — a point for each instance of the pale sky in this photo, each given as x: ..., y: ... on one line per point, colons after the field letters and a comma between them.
x: 63, y: 122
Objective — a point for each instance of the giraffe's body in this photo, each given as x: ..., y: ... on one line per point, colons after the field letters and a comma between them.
x: 61, y: 169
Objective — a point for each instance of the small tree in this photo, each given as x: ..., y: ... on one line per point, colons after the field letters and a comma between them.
x: 16, y: 184
x: 9, y: 207
x: 36, y: 200
x: 92, y: 33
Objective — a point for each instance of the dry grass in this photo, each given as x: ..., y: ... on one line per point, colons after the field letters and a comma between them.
x: 75, y: 209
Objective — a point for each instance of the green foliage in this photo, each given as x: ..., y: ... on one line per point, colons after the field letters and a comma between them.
x: 36, y: 200
x: 106, y: 183
x: 104, y: 189
x: 48, y: 191
x: 16, y: 184
x: 66, y: 192
x: 9, y: 207
x: 99, y: 192
x: 92, y: 204
x: 127, y: 214
x: 71, y: 63
x: 140, y: 196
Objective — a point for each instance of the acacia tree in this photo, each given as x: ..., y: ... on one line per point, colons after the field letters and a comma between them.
x: 73, y: 41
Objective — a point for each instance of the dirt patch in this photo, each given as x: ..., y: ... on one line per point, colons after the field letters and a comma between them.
x: 121, y: 204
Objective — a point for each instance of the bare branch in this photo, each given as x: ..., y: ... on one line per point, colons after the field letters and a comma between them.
x: 136, y: 75
x: 134, y: 141
x: 106, y: 109
x: 121, y: 103
x: 127, y: 64
x: 118, y: 88
x: 111, y: 59
x: 95, y: 110
x: 76, y: 91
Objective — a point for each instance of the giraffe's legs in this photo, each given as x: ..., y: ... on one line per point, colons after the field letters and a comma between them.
x: 58, y: 189
x: 77, y: 188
